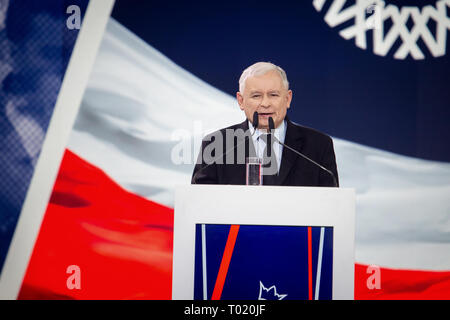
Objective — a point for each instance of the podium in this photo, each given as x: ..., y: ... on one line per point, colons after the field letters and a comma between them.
x: 263, y: 243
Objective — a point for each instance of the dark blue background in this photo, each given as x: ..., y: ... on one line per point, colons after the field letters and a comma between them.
x: 36, y: 46
x: 396, y: 105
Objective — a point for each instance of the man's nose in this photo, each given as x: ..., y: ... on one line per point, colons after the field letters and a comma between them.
x: 265, y: 103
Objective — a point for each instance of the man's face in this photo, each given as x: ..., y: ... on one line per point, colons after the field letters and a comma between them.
x: 267, y: 95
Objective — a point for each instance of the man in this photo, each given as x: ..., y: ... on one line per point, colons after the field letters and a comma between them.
x: 264, y: 88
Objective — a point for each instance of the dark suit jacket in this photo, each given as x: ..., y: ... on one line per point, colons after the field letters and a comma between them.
x: 294, y: 169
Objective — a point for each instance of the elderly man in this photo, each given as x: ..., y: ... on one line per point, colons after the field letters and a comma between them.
x: 264, y: 89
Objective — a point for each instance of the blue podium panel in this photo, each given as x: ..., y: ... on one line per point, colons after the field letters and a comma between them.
x: 263, y: 262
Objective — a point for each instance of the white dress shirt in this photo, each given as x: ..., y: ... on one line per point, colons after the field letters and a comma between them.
x: 280, y: 134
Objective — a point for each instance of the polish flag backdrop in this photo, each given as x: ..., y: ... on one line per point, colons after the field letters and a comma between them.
x: 111, y: 209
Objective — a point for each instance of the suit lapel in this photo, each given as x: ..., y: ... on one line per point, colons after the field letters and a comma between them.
x: 294, y: 140
x: 239, y: 168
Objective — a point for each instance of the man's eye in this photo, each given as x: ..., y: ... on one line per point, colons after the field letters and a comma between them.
x: 256, y: 96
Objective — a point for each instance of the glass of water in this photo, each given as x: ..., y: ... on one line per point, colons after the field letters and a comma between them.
x: 253, y: 167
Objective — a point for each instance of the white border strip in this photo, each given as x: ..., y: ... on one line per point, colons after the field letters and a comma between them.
x: 319, y: 263
x: 60, y: 127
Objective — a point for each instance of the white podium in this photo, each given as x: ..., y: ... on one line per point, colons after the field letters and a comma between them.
x: 263, y: 242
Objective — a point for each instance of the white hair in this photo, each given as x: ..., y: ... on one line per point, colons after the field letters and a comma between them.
x: 259, y: 69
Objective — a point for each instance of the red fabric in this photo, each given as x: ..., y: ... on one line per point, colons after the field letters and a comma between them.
x: 123, y: 246
x: 398, y: 284
x: 121, y: 242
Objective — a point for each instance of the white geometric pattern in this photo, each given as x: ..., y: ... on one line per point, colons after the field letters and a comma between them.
x: 383, y: 40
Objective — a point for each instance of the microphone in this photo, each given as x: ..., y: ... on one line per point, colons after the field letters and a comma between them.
x: 255, y: 121
x: 272, y: 127
x: 271, y: 124
x: 255, y: 125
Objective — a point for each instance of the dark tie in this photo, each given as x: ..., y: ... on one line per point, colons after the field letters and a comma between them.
x: 270, y: 165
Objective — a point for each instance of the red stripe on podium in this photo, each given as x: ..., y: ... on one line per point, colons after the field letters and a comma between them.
x: 225, y: 263
x: 310, y: 292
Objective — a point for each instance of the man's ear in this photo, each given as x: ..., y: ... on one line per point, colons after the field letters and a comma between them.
x: 240, y: 100
x: 289, y: 98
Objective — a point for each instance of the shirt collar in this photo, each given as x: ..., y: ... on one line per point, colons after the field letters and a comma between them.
x: 280, y: 132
